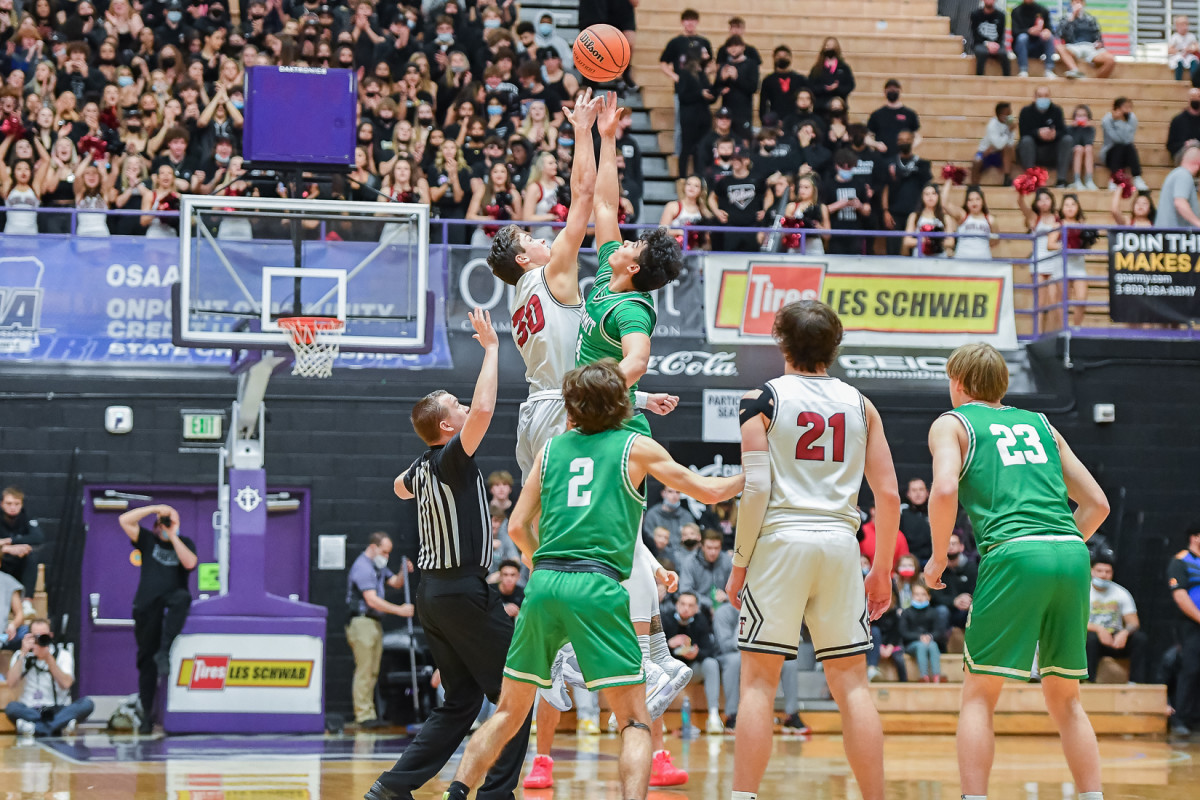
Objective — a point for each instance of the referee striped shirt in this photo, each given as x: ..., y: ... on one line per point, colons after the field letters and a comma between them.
x: 452, y: 509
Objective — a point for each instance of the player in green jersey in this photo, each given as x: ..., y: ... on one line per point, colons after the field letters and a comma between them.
x: 618, y: 312
x: 1013, y: 473
x: 582, y: 483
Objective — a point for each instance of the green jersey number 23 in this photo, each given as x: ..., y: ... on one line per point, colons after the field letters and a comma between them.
x: 1031, y: 452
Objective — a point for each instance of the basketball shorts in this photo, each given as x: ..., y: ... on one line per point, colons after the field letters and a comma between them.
x: 643, y: 591
x: 589, y: 610
x: 805, y: 576
x: 1084, y: 51
x: 1032, y: 597
x: 538, y: 420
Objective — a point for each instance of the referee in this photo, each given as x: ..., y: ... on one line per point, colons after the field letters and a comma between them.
x: 463, y: 615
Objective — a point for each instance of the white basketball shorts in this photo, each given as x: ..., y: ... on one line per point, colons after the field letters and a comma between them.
x: 643, y: 591
x: 537, y: 422
x: 799, y: 576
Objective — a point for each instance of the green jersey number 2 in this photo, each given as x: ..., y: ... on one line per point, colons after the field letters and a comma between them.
x: 577, y: 494
x: 1033, y: 452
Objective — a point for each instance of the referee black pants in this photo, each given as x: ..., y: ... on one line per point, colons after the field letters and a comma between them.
x: 468, y: 633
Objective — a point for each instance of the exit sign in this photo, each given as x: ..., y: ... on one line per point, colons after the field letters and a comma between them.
x: 206, y: 427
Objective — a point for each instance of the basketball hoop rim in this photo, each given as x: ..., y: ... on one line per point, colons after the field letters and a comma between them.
x: 305, y: 328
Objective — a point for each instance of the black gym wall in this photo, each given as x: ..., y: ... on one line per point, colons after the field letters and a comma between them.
x: 348, y: 437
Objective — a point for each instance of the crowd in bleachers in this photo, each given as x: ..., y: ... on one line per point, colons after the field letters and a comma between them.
x: 107, y: 105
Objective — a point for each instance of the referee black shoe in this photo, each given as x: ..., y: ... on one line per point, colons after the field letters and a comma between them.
x: 380, y: 792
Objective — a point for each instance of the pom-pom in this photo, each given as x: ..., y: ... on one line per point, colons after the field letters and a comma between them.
x: 954, y: 174
x: 560, y: 212
x: 1120, y: 178
x: 94, y: 145
x: 11, y: 126
x: 1039, y: 175
x: 1024, y: 184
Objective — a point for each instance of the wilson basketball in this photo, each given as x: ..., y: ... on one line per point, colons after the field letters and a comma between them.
x: 601, y: 53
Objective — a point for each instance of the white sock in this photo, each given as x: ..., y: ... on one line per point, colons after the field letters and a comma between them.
x: 1091, y: 796
x: 743, y: 796
x: 974, y: 797
x: 644, y: 643
x: 659, y: 652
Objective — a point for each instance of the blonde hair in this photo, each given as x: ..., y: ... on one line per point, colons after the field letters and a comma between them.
x: 981, y: 370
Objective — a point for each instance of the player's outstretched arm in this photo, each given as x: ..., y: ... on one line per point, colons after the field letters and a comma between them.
x: 947, y: 444
x: 756, y: 468
x: 608, y: 183
x: 651, y: 458
x: 483, y: 403
x: 562, y: 272
x: 1082, y: 488
x: 881, y: 477
x: 522, y: 528
x: 635, y: 355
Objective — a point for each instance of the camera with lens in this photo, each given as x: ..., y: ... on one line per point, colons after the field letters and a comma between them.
x: 164, y: 520
x: 45, y: 640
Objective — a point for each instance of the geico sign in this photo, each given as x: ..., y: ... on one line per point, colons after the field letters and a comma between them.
x: 694, y: 362
x: 883, y: 362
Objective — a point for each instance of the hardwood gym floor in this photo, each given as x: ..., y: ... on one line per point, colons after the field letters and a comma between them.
x: 96, y: 766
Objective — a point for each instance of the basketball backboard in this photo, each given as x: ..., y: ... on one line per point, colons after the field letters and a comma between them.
x: 245, y: 262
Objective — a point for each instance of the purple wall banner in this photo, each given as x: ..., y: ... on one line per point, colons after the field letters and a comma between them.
x: 108, y: 300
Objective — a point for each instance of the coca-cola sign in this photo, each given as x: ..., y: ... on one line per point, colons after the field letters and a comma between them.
x: 694, y: 363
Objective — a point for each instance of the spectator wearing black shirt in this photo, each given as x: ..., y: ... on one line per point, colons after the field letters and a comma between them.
x: 812, y: 155
x: 1032, y: 35
x: 1045, y: 140
x: 914, y: 518
x: 512, y: 594
x: 737, y: 201
x: 960, y: 577
x: 449, y: 187
x: 631, y: 151
x: 987, y: 37
x: 803, y: 111
x: 76, y: 76
x: 162, y: 600
x: 438, y: 50
x: 689, y: 635
x: 678, y: 51
x: 21, y: 541
x: 737, y: 27
x: 848, y: 197
x: 889, y: 119
x: 694, y: 118
x: 1185, y: 126
x: 777, y: 97
x: 904, y: 175
x: 737, y: 81
x: 176, y: 157
x: 721, y: 163
x: 1183, y: 580
x: 706, y: 150
x: 830, y: 75
x: 397, y: 46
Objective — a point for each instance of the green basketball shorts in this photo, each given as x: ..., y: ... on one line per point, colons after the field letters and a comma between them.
x: 1032, y: 599
x: 589, y: 610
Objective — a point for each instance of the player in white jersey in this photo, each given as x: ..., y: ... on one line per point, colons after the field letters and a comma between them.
x: 546, y: 308
x: 807, y: 440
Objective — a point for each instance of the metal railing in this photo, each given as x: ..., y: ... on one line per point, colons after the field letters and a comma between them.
x: 1039, y: 309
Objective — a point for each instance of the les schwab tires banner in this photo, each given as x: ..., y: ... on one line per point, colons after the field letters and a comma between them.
x: 908, y: 302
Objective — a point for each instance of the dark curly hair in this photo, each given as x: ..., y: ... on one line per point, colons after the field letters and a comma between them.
x: 596, y: 396
x: 660, y: 262
x: 808, y: 332
x: 503, y: 257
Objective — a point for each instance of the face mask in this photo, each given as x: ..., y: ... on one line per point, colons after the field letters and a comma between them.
x: 346, y: 64
x: 1101, y: 584
x: 545, y: 28
x: 907, y: 571
x: 670, y: 506
x: 831, y: 53
x: 566, y: 142
x: 1042, y: 103
x: 239, y: 104
x: 458, y: 69
x: 1195, y: 105
x: 169, y: 61
x: 845, y: 175
x: 411, y: 23
x: 174, y: 16
x: 904, y: 149
x: 222, y: 161
x: 920, y: 604
x: 858, y: 141
x: 380, y: 562
x: 445, y: 38
x: 491, y: 23
x: 124, y: 80
x: 690, y: 544
x: 866, y: 571
x: 892, y: 95
x: 493, y: 111
x: 782, y: 63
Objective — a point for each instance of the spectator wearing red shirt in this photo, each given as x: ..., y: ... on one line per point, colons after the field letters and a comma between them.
x: 866, y: 544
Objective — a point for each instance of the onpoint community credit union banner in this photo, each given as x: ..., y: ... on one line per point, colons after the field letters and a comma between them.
x: 1153, y: 276
x: 108, y: 300
x: 925, y: 302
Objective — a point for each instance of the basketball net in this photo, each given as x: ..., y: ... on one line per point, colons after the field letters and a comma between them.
x: 314, y: 342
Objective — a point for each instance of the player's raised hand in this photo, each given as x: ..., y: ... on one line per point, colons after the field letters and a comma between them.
x: 879, y: 592
x: 485, y: 334
x: 583, y: 116
x: 610, y: 115
x: 661, y: 403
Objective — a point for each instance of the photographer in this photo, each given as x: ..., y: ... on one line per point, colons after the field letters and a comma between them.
x: 167, y: 559
x: 44, y: 673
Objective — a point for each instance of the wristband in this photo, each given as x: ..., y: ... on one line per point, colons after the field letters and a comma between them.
x: 640, y: 399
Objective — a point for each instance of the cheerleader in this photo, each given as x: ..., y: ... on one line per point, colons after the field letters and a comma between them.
x: 929, y: 217
x: 976, y: 226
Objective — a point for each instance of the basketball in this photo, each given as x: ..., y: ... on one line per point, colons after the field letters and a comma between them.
x: 601, y: 53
